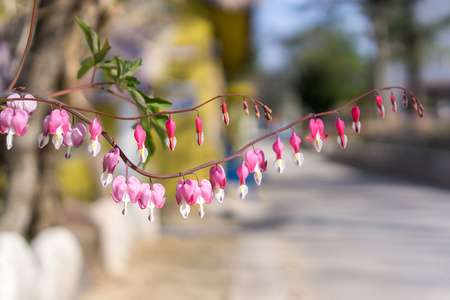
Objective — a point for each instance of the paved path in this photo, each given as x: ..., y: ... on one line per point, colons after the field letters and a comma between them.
x: 327, y: 231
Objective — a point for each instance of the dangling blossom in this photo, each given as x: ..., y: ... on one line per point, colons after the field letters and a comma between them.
x: 205, y: 196
x: 151, y: 198
x: 199, y: 136
x: 58, y: 124
x: 74, y: 137
x: 218, y: 181
x: 187, y: 193
x: 171, y: 140
x: 256, y: 163
x: 139, y: 135
x: 125, y: 191
x: 13, y: 122
x: 28, y: 106
x: 110, y: 161
x: 278, y: 148
x: 316, y: 127
x: 394, y: 104
x: 380, y: 105
x: 95, y: 129
x: 225, y: 115
x: 342, y: 138
x: 295, y: 142
x: 43, y: 137
x: 242, y: 173
x: 356, y: 125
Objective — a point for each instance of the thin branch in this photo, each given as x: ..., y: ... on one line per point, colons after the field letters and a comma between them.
x: 27, y: 47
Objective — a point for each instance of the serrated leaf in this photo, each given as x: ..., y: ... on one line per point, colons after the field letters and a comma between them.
x: 85, y: 66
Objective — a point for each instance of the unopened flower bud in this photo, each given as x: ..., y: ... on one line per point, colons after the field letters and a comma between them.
x: 267, y: 109
x: 245, y: 107
x: 225, y: 116
x: 256, y: 111
x: 267, y: 116
x: 414, y: 103
x: 405, y: 100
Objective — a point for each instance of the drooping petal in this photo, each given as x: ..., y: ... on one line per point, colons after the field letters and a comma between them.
x: 225, y: 116
x: 171, y: 140
x: 28, y: 106
x: 179, y: 191
x: 314, y: 128
x: 78, y: 134
x: 19, y: 122
x: 278, y: 147
x: 140, y: 135
x: 251, y: 159
x: 262, y: 162
x: 242, y: 173
x: 199, y: 136
x: 133, y: 188
x: 145, y: 196
x: 158, y: 195
x: 95, y: 129
x: 295, y: 142
x: 110, y: 161
x: 5, y: 119
x: 119, y: 189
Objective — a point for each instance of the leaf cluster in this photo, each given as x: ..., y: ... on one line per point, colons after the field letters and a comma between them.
x: 121, y: 73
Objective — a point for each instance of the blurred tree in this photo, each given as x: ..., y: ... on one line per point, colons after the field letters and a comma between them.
x: 327, y: 68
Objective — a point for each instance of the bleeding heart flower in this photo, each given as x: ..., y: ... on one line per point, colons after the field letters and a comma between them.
x: 199, y: 136
x: 151, y: 198
x: 171, y: 140
x: 225, y: 116
x: 278, y: 148
x: 74, y: 137
x: 110, y: 161
x: 95, y: 129
x: 380, y: 105
x: 125, y: 191
x: 295, y: 142
x: 140, y: 135
x: 394, y: 104
x: 342, y: 138
x: 242, y: 173
x: 356, y: 125
x: 13, y: 122
x: 256, y: 163
x: 316, y: 127
x: 28, y: 106
x: 218, y: 181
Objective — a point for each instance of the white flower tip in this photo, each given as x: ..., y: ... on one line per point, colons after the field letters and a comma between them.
x: 280, y: 165
x: 219, y: 195
x: 242, y: 191
x: 106, y: 178
x: 318, y: 144
x: 42, y: 140
x: 298, y: 159
x: 94, y: 148
x: 258, y: 177
x: 143, y: 154
x: 184, y: 210
x: 9, y: 141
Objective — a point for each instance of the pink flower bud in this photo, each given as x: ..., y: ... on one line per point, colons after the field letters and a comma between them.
x: 355, y: 115
x: 199, y: 131
x: 171, y: 140
x: 225, y: 116
x: 394, y: 104
x: 380, y: 106
x: 95, y: 129
x: 110, y: 161
x: 342, y: 138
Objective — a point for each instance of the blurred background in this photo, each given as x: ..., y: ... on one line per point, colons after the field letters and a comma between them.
x: 370, y: 220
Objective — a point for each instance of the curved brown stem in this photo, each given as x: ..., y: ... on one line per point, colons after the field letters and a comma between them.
x: 27, y: 47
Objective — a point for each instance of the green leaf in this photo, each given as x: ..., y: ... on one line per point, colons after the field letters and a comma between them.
x: 85, y: 66
x: 131, y: 82
x: 139, y: 100
x: 160, y: 130
x: 98, y: 57
x: 159, y: 103
x: 91, y: 36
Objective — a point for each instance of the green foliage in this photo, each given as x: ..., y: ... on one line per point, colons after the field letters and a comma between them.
x: 329, y: 69
x: 120, y: 72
